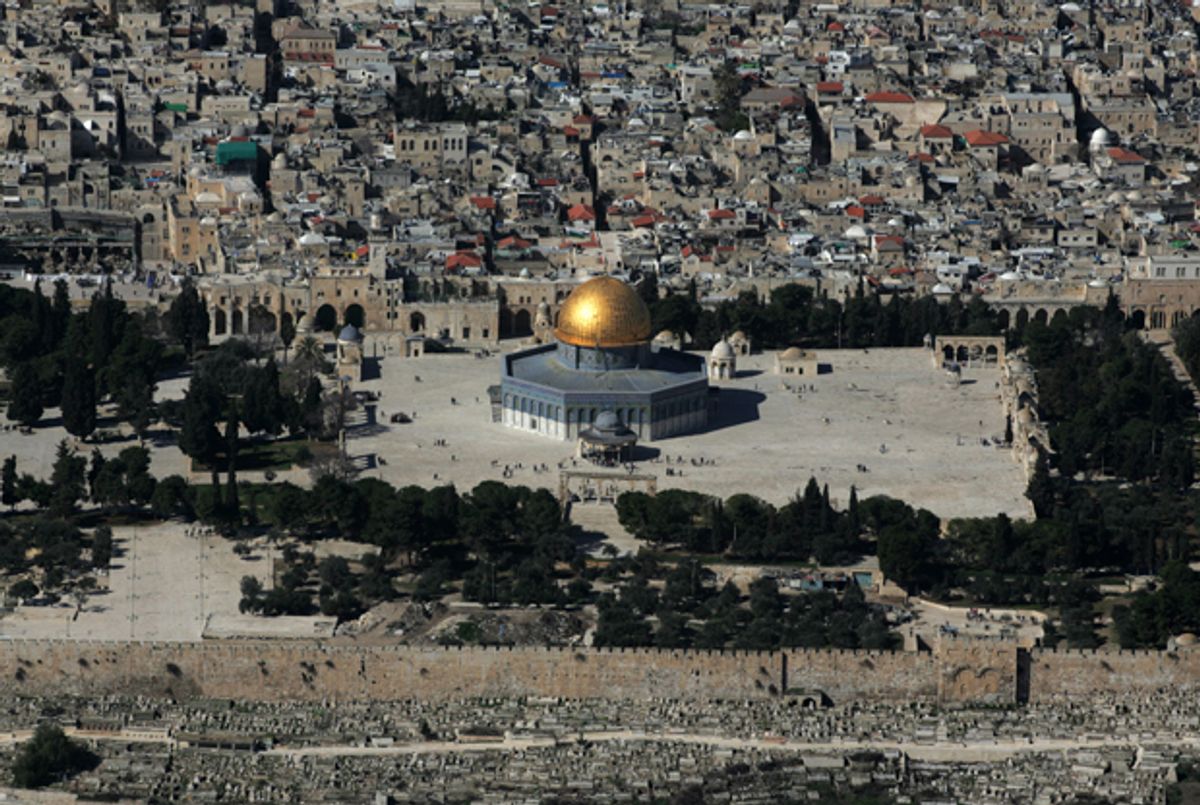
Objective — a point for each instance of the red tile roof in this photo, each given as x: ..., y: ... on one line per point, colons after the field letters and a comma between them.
x: 721, y: 215
x: 890, y: 97
x: 581, y: 212
x: 484, y: 202
x: 830, y: 87
x: 871, y: 201
x: 463, y: 260
x: 1126, y: 156
x: 984, y: 139
x: 855, y: 211
x: 933, y: 131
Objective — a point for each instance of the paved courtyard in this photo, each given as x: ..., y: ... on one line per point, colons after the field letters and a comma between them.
x: 889, y: 411
x: 169, y: 577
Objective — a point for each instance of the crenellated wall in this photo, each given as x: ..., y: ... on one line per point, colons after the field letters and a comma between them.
x: 956, y: 671
x: 1074, y: 673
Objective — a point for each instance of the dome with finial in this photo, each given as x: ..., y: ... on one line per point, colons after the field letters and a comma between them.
x: 603, y: 312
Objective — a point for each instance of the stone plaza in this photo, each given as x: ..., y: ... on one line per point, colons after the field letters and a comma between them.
x: 885, y: 421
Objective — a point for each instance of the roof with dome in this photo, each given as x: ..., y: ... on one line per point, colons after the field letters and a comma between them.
x: 603, y: 313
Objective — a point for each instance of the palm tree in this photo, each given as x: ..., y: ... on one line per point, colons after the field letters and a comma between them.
x: 310, y: 358
x: 310, y: 349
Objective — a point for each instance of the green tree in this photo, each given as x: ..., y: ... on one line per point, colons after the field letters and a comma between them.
x: 252, y: 591
x: 262, y: 404
x: 199, y: 437
x: 187, y: 320
x: 102, y: 546
x: 68, y: 480
x: 60, y: 310
x: 729, y: 98
x: 106, y: 320
x: 287, y: 334
x: 130, y: 376
x: 172, y: 498
x: 25, y: 403
x: 79, y: 398
x: 620, y: 624
x: 9, y: 483
x: 48, y: 757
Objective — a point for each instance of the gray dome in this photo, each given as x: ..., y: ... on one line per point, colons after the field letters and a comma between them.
x: 349, y: 333
x: 607, y: 420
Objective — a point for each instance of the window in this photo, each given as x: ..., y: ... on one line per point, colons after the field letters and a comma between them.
x: 466, y: 333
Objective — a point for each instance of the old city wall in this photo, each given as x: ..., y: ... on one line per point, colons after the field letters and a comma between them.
x: 304, y: 670
x: 863, y: 675
x: 1060, y: 674
x: 310, y: 670
x: 957, y: 671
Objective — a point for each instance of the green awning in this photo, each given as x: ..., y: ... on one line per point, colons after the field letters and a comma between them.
x: 243, y: 151
x: 175, y: 107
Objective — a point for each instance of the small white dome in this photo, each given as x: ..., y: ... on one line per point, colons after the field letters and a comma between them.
x: 208, y: 197
x: 1098, y: 283
x: 743, y: 135
x: 1009, y: 276
x: 722, y: 350
x: 856, y: 232
x: 312, y: 239
x: 942, y: 289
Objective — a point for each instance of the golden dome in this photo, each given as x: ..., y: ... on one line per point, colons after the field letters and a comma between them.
x: 603, y: 312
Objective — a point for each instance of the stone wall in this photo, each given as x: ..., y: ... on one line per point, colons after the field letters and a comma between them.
x: 1058, y: 674
x: 956, y: 671
x: 870, y: 675
x: 306, y: 670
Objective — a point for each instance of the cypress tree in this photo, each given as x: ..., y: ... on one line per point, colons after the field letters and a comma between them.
x: 187, y: 319
x: 9, y: 495
x: 60, y: 310
x: 25, y: 405
x: 79, y: 398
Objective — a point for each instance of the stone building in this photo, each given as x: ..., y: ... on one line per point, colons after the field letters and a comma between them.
x: 602, y: 361
x: 722, y: 361
x: 796, y: 361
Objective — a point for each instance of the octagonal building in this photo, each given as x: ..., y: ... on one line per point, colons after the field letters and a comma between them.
x: 601, y: 360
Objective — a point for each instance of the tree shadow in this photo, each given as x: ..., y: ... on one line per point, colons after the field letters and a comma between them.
x: 734, y: 407
x: 367, y: 461
x: 748, y: 373
x: 371, y: 369
x: 366, y: 429
x: 587, y: 540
